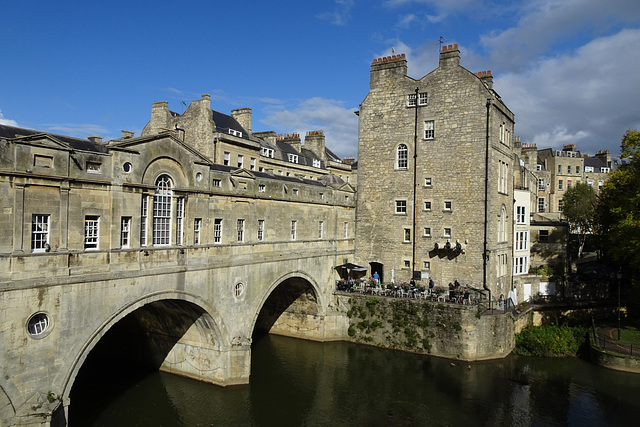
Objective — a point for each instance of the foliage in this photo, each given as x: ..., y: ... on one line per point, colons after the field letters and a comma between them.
x: 543, y: 270
x: 550, y: 340
x: 579, y: 207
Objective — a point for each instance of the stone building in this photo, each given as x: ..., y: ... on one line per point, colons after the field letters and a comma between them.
x: 435, y: 174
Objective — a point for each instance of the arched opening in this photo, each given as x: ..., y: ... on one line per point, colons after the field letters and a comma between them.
x: 164, y: 335
x: 291, y: 309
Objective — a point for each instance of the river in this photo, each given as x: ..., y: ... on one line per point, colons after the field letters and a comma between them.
x: 302, y: 383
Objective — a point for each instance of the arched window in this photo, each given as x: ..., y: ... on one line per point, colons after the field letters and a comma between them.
x: 502, y: 225
x: 402, y: 156
x: 162, y: 211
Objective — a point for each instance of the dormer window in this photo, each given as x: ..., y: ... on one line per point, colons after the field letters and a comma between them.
x: 293, y: 158
x: 235, y: 133
x: 266, y: 152
x: 316, y: 163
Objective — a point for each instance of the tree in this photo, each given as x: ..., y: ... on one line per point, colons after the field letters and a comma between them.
x: 579, y: 208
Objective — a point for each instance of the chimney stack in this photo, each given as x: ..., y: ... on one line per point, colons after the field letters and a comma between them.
x: 450, y: 56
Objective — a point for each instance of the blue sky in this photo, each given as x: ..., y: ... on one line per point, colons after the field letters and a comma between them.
x: 568, y: 69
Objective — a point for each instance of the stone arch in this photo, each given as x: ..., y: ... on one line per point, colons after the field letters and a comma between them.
x: 204, y: 318
x: 292, y: 310
x: 165, y: 165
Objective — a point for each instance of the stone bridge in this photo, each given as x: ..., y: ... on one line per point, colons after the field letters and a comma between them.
x: 189, y: 311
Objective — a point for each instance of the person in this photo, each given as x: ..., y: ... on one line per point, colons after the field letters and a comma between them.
x: 412, y: 283
x: 456, y: 284
x: 452, y: 292
x: 431, y: 285
x: 376, y: 278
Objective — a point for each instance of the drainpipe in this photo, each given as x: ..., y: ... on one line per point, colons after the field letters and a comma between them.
x: 415, y: 181
x: 485, y: 252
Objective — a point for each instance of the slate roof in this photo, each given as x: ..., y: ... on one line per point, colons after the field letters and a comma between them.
x: 11, y: 132
x: 595, y: 162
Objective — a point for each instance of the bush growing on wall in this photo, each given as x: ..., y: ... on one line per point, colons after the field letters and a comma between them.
x: 550, y: 340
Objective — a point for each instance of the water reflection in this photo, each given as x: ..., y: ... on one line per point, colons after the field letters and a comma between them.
x: 300, y: 383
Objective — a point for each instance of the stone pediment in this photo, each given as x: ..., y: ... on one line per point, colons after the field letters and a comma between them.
x: 242, y: 173
x: 44, y: 140
x: 143, y: 143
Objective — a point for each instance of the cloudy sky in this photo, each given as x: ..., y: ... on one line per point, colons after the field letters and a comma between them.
x: 568, y: 69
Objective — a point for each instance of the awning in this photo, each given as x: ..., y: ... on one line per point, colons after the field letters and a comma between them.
x: 351, y: 271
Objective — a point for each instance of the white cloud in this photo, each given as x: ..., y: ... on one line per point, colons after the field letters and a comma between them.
x: 79, y: 130
x: 588, y: 97
x: 7, y: 122
x: 340, y: 124
x: 341, y: 14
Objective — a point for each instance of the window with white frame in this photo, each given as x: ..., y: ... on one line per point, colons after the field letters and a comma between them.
x: 600, y: 183
x: 293, y: 158
x: 559, y: 168
x: 426, y: 265
x: 125, y: 231
x: 197, y: 230
x: 39, y: 233
x: 447, y: 205
x: 422, y: 98
x: 427, y: 205
x: 162, y: 211
x: 446, y: 232
x: 316, y: 163
x: 429, y: 129
x: 320, y: 229
x: 588, y: 169
x: 541, y: 184
x: 227, y: 158
x: 541, y: 203
x: 260, y: 230
x: 407, y: 234
x: 252, y: 164
x: 38, y: 324
x: 180, y: 220
x: 91, y: 231
x: 216, y: 182
x: 427, y: 182
x: 577, y: 170
x: 521, y: 212
x: 569, y: 169
x: 411, y: 100
x: 217, y: 231
x: 522, y: 240
x: 267, y: 152
x: 240, y: 229
x: 605, y: 170
x: 520, y: 265
x: 401, y: 207
x: 240, y: 161
x: 402, y: 156
x: 144, y: 219
x: 294, y: 225
x: 560, y: 184
x: 427, y: 232
x: 502, y: 225
x: 261, y: 188
x: 346, y: 230
x: 295, y: 191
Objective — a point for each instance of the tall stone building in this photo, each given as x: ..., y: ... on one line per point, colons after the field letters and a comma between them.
x: 435, y: 174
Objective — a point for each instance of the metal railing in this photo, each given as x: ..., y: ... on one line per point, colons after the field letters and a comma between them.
x: 605, y: 343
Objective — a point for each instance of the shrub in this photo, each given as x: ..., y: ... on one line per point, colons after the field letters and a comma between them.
x: 550, y: 340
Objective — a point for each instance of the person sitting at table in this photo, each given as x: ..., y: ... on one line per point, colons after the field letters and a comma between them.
x: 412, y: 283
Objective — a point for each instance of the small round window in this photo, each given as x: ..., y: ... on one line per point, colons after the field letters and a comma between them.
x: 38, y: 324
x: 199, y: 177
x: 127, y: 167
x: 239, y: 290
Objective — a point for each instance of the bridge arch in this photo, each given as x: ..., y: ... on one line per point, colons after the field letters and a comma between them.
x: 179, y: 327
x: 293, y: 305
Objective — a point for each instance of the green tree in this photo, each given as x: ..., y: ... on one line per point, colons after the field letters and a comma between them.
x: 579, y: 207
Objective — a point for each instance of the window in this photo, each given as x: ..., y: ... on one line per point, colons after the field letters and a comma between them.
x: 91, y: 231
x: 407, y: 263
x: 238, y: 290
x: 293, y: 158
x: 320, y: 229
x: 426, y: 265
x: 559, y: 168
x: 520, y: 265
x: 541, y: 203
x: 588, y: 169
x: 321, y: 196
x: 543, y: 236
x: 93, y: 167
x: 40, y: 233
x: 402, y: 153
x: 568, y: 183
x: 422, y: 98
x: 447, y: 232
x: 42, y: 161
x: 427, y: 232
x: 346, y: 230
x: 261, y: 188
x: 216, y: 183
x: 502, y: 225
x: 522, y: 240
x: 235, y: 133
x: 541, y: 184
x: 267, y: 152
x: 295, y: 191
x: 600, y: 183
x: 126, y: 167
x: 568, y: 169
x: 227, y: 158
x: 144, y: 212
x: 162, y: 211
x: 253, y: 164
x: 197, y: 228
x: 125, y: 231
x: 590, y: 183
x: 447, y: 205
x: 560, y: 185
x: 217, y: 231
x: 38, y: 324
x: 407, y: 234
x: 429, y: 130
x: 294, y: 225
x: 411, y: 100
x: 180, y: 220
x: 577, y: 170
x: 503, y: 170
x: 521, y: 212
x: 401, y: 207
x: 316, y: 163
x: 427, y: 206
x: 427, y: 182
x: 260, y: 230
x: 240, y: 160
x: 240, y: 229
x: 560, y: 205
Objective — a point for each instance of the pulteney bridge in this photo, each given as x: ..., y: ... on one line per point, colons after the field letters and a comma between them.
x: 190, y: 311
